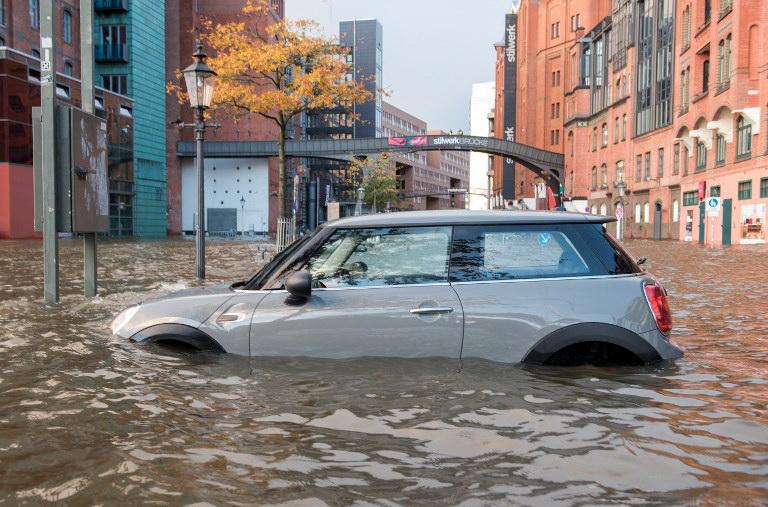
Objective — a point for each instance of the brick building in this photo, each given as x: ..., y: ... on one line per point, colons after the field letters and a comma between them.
x: 226, y: 186
x: 20, y: 92
x: 666, y: 97
x: 425, y: 177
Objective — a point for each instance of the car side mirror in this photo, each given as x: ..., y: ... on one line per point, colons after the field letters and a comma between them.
x: 299, y: 287
x: 641, y: 261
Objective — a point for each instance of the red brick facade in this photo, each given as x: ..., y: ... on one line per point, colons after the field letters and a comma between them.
x: 635, y: 121
x: 181, y: 17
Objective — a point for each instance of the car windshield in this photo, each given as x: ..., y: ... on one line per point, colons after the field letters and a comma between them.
x: 263, y: 274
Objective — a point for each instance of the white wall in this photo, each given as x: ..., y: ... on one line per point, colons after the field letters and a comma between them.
x: 231, y: 179
x: 481, y: 103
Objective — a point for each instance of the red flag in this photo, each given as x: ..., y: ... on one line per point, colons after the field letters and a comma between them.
x: 550, y: 199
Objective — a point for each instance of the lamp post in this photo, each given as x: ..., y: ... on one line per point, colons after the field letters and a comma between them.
x: 200, y: 79
x: 621, y: 187
x: 490, y: 187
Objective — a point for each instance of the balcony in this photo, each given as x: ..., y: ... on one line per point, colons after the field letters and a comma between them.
x: 111, y: 53
x: 110, y: 5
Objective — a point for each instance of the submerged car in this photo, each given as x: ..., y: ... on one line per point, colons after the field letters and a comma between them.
x: 508, y: 286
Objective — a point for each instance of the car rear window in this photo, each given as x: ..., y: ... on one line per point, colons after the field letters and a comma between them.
x: 508, y: 252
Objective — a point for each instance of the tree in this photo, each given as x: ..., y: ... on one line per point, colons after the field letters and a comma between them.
x: 378, y: 179
x: 278, y: 71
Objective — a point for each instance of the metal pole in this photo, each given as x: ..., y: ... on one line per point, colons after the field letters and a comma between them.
x: 48, y: 150
x: 490, y: 188
x: 623, y: 214
x: 90, y: 280
x: 199, y: 162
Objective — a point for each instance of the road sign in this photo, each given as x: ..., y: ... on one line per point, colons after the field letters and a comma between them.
x: 619, y: 212
x: 457, y: 190
x: 713, y: 206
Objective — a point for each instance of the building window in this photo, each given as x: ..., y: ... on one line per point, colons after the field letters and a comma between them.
x: 605, y: 135
x: 603, y: 176
x: 724, y: 63
x: 66, y: 21
x: 34, y: 13
x: 745, y: 189
x: 638, y: 167
x: 707, y: 11
x: 621, y: 32
x: 118, y: 83
x: 660, y: 163
x: 575, y: 22
x: 701, y: 155
x: 624, y: 127
x: 594, y: 139
x: 743, y: 138
x: 616, y: 128
x: 647, y: 213
x: 685, y: 42
x: 594, y: 178
x: 36, y: 53
x: 686, y: 156
x: 691, y: 198
x: 619, y: 171
x: 685, y: 77
x: 586, y: 65
x: 705, y: 77
x: 637, y: 213
x: 714, y: 191
x: 675, y: 210
x: 2, y: 15
x: 725, y: 7
x: 676, y: 159
x: 763, y: 187
x: 555, y: 30
x: 68, y: 68
x: 648, y: 165
x: 655, y: 38
x: 720, y: 149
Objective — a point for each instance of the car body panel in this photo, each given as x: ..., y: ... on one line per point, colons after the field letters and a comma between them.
x: 503, y: 319
x: 230, y: 324
x: 355, y: 322
x: 190, y: 307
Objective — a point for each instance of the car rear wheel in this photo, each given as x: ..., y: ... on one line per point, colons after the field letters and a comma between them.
x: 594, y: 353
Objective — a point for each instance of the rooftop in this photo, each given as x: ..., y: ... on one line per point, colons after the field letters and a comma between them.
x: 449, y: 217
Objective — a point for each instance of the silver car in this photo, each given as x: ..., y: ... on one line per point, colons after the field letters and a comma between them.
x: 509, y: 286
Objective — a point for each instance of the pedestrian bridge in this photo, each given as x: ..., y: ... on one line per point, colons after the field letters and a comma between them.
x: 546, y: 164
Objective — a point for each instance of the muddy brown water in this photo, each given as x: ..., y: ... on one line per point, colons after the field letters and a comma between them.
x: 88, y: 419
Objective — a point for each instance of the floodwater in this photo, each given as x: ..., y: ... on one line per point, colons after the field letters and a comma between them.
x: 88, y: 419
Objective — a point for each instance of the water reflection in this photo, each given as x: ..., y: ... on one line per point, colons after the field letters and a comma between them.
x: 87, y: 418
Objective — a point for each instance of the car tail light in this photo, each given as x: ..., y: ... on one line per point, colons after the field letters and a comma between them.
x: 657, y: 300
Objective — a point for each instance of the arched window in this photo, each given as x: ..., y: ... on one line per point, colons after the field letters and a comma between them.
x: 675, y: 210
x: 637, y: 213
x: 624, y: 127
x: 594, y: 177
x: 619, y: 171
x: 646, y: 213
x: 605, y: 135
x: 743, y: 138
x: 701, y: 155
x: 570, y: 142
x: 594, y: 138
x: 603, y: 176
x: 604, y: 209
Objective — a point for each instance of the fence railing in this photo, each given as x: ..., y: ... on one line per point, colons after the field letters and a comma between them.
x: 286, y: 233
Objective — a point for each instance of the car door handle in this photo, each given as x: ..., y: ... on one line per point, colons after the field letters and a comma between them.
x: 431, y: 311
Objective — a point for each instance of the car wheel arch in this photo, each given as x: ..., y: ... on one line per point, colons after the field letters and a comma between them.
x: 178, y: 334
x: 590, y: 332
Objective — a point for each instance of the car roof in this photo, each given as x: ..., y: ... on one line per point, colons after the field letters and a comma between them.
x: 468, y: 217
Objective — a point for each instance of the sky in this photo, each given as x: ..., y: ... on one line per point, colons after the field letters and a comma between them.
x: 433, y: 49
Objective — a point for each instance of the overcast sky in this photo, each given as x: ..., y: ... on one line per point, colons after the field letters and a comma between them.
x: 433, y: 49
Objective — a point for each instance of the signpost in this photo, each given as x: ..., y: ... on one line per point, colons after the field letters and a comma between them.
x: 70, y: 159
x: 712, y: 207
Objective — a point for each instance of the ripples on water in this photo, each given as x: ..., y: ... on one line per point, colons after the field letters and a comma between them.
x: 86, y: 418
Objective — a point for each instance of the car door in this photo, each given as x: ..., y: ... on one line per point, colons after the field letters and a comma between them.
x: 376, y: 292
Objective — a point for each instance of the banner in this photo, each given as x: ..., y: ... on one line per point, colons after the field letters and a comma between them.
x: 407, y: 141
x: 510, y: 101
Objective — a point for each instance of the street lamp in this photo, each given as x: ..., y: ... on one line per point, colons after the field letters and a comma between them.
x: 622, y: 188
x: 200, y: 79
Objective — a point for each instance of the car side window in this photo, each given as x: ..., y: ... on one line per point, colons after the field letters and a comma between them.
x: 508, y: 252
x: 381, y: 256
